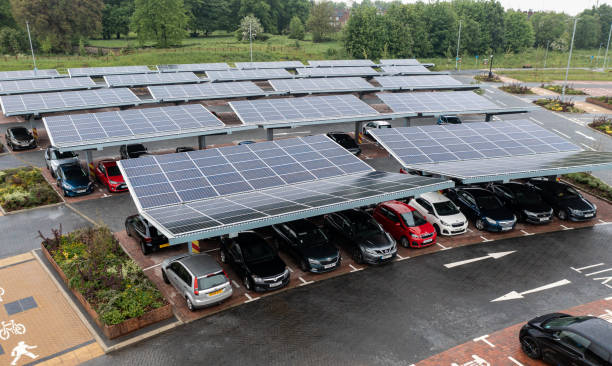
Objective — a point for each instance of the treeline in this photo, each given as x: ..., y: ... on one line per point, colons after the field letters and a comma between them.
x: 431, y: 29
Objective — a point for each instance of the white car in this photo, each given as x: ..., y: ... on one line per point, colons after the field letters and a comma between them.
x: 54, y: 158
x: 373, y: 125
x: 441, y: 212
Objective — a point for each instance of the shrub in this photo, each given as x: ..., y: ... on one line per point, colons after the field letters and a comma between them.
x: 559, y: 89
x: 25, y: 188
x: 516, y: 88
x: 591, y: 183
x: 557, y: 105
x: 603, y: 124
x: 296, y: 29
x: 485, y: 77
x: 13, y: 41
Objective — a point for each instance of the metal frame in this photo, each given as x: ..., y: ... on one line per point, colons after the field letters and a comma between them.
x: 163, y: 68
x: 42, y: 76
x: 78, y: 108
x: 51, y: 89
x: 102, y: 68
x: 158, y: 82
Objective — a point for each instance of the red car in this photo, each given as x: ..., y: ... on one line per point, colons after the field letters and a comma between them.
x: 405, y: 224
x: 109, y: 175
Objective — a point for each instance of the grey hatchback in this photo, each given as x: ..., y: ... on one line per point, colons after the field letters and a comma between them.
x: 198, y: 278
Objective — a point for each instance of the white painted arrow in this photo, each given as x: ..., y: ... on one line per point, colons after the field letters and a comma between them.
x: 516, y: 295
x: 490, y: 255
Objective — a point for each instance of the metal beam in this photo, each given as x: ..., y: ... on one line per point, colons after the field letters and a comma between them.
x: 487, y: 117
x: 407, y: 121
x: 357, y: 130
x: 90, y: 166
x: 270, y: 134
x: 201, y: 142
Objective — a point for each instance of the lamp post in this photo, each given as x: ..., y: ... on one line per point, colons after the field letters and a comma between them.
x: 546, y: 54
x: 490, y: 67
x: 608, y: 46
x: 598, y: 52
x: 458, y: 43
x: 31, y: 48
x: 569, y: 59
x: 251, y: 39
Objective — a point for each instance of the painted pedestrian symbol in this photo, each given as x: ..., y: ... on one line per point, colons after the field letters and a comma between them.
x: 22, y: 349
x: 476, y: 361
x: 11, y: 327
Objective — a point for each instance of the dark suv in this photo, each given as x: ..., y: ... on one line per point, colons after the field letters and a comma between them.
x: 147, y: 235
x: 483, y: 207
x: 19, y: 138
x: 346, y: 141
x: 255, y: 261
x: 567, y: 202
x: 526, y: 202
x: 132, y: 151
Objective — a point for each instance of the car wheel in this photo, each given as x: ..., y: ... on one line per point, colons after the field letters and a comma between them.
x: 223, y: 256
x: 304, y: 266
x: 52, y: 173
x: 165, y: 277
x: 145, y: 249
x: 437, y: 228
x: 189, y: 304
x: 357, y: 256
x: 531, y: 347
x: 65, y: 193
x: 247, y: 282
x: 405, y: 243
x: 480, y: 224
x: 562, y: 214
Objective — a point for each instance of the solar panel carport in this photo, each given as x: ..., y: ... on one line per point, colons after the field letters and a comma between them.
x: 202, y: 194
x: 422, y: 82
x: 194, y: 67
x: 269, y: 65
x: 327, y: 85
x: 204, y: 91
x: 410, y: 70
x: 30, y: 74
x: 46, y: 85
x: 131, y: 80
x: 108, y: 70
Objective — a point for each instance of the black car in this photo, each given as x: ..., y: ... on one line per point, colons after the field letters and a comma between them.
x: 181, y: 149
x: 346, y: 141
x: 526, y: 202
x: 364, y: 237
x: 567, y: 202
x: 255, y: 261
x: 482, y: 206
x: 132, y: 151
x: 307, y: 243
x: 561, y: 339
x: 19, y: 138
x: 147, y: 235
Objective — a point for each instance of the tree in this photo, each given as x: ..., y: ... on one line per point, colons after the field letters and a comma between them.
x: 208, y: 15
x: 161, y: 20
x: 320, y: 21
x: 548, y: 27
x: 261, y: 10
x: 293, y: 8
x: 442, y: 26
x: 13, y: 41
x: 6, y: 17
x: 59, y: 24
x: 296, y: 28
x: 400, y: 31
x: 518, y: 33
x: 250, y: 27
x: 366, y: 34
x: 587, y: 32
x: 116, y: 18
x: 415, y: 18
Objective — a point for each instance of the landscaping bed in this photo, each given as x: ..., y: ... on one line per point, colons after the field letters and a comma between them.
x: 557, y: 105
x: 516, y: 88
x: 559, y: 89
x: 603, y: 101
x: 485, y: 77
x: 22, y: 188
x: 111, y: 287
x: 590, y: 184
x: 602, y: 124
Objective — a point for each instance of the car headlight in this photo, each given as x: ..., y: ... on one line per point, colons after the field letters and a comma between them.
x: 112, y: 182
x: 415, y: 236
x: 257, y: 279
x: 313, y: 261
x: 529, y: 213
x: 490, y: 221
x: 573, y: 210
x: 444, y: 223
x: 594, y: 206
x: 368, y: 250
x: 513, y: 217
x: 286, y: 273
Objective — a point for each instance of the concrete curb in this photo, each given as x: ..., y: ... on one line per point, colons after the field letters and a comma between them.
x: 596, y: 130
x: 587, y: 191
x: 31, y: 208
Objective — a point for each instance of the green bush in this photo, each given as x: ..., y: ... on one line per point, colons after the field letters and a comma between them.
x: 13, y: 41
x: 516, y: 88
x: 296, y: 29
x: 22, y: 188
x: 590, y: 182
x: 559, y: 89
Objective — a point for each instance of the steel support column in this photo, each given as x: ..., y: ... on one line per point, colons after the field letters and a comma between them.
x: 488, y: 118
x: 357, y: 130
x: 89, y: 161
x: 270, y: 134
x: 407, y: 121
x: 202, y: 142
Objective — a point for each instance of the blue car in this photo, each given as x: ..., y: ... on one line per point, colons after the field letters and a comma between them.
x: 73, y: 180
x: 484, y: 208
x: 442, y: 120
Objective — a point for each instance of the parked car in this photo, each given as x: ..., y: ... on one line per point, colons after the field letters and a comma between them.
x: 374, y: 125
x: 181, y: 149
x: 566, y: 201
x: 246, y: 142
x: 346, y: 141
x: 482, y: 206
x: 255, y: 261
x: 442, y: 120
x: 308, y: 245
x: 562, y: 339
x: 405, y: 224
x: 445, y: 216
x: 146, y: 234
x: 132, y: 151
x: 19, y: 138
x: 73, y: 180
x: 198, y: 278
x: 108, y: 173
x: 363, y: 236
x: 54, y: 158
x: 526, y: 202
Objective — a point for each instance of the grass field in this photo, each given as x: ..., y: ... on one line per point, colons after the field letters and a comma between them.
x: 550, y: 75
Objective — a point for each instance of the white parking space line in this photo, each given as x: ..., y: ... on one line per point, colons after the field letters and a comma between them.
x: 470, y: 230
x: 566, y: 228
x: 536, y: 121
x: 561, y: 133
x: 608, y: 298
x: 304, y: 282
x: 153, y: 266
x: 211, y: 250
x: 236, y: 285
x: 485, y: 239
x: 515, y: 361
x: 442, y: 246
x: 354, y: 269
x: 250, y: 298
x: 526, y: 233
x: 598, y: 272
x: 484, y: 339
x: 603, y: 223
x: 579, y: 270
x: 585, y: 136
x: 400, y: 258
x: 588, y: 147
x: 502, y: 103
x: 290, y: 269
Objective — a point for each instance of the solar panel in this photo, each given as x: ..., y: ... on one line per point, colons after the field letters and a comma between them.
x: 307, y: 109
x: 412, y: 82
x: 81, y: 129
x: 322, y: 85
x: 405, y: 70
x: 29, y: 74
x: 193, y: 67
x: 443, y: 102
x: 110, y: 70
x: 269, y: 65
x: 337, y: 71
x: 262, y: 74
x: 469, y: 141
x: 150, y: 79
x: 340, y: 63
x: 205, y: 91
x: 24, y: 104
x: 400, y: 62
x: 45, y: 85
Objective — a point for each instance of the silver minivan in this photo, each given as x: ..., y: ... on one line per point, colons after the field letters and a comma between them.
x: 198, y: 278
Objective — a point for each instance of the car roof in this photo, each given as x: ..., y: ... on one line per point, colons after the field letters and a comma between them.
x: 475, y: 191
x: 397, y: 206
x: 355, y: 214
x: 596, y: 329
x: 248, y: 237
x: 301, y: 225
x: 516, y: 186
x: 200, y: 264
x: 73, y: 164
x: 434, y: 197
x: 382, y: 122
x: 18, y: 128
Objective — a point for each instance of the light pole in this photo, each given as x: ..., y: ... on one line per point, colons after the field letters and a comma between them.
x: 569, y: 59
x: 458, y: 43
x: 598, y: 52
x: 608, y: 46
x: 491, y: 67
x: 546, y: 54
x: 31, y: 48
x: 251, y: 38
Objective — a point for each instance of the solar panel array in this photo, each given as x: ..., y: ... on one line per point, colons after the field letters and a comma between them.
x: 322, y: 85
x: 269, y: 65
x: 216, y: 66
x: 109, y: 70
x: 405, y: 70
x: 44, y: 85
x: 13, y: 105
x: 400, y: 62
x: 151, y: 79
x: 262, y: 74
x: 79, y: 129
x: 205, y: 91
x: 177, y: 178
x: 409, y: 82
x: 423, y: 102
x: 307, y: 109
x: 337, y: 71
x: 340, y: 63
x: 467, y: 141
x: 29, y: 74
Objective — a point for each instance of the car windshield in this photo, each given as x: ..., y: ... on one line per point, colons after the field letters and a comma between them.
x: 452, y: 119
x: 257, y: 252
x: 527, y: 196
x: 311, y: 237
x: 74, y: 172
x: 21, y: 132
x: 488, y: 202
x: 64, y: 155
x: 446, y: 208
x: 210, y: 281
x: 136, y: 148
x: 384, y: 126
x: 366, y: 227
x: 564, y: 321
x: 344, y: 139
x: 113, y: 170
x: 413, y: 218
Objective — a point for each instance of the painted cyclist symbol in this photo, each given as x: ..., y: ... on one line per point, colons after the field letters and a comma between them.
x: 11, y: 327
x: 1, y: 293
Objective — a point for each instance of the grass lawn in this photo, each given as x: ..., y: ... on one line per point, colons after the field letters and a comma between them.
x: 551, y: 75
x: 22, y: 188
